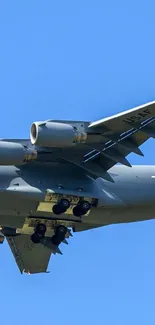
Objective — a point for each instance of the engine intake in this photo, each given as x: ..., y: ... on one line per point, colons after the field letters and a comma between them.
x: 56, y: 134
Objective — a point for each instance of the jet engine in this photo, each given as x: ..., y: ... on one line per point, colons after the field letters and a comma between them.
x: 15, y: 153
x: 56, y: 134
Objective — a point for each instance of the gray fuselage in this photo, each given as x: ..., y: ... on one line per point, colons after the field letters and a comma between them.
x: 131, y: 197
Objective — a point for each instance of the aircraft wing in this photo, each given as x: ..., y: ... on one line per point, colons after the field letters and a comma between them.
x: 120, y: 122
x: 30, y: 258
x: 105, y: 143
x: 111, y: 139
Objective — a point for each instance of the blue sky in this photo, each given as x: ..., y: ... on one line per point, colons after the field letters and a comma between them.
x: 79, y: 60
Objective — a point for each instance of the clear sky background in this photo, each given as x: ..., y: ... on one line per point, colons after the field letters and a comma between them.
x: 79, y: 60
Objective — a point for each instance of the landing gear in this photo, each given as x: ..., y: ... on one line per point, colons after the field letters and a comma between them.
x: 40, y: 228
x: 61, y: 207
x: 60, y: 234
x: 1, y: 239
x: 39, y: 233
x: 35, y: 238
x: 81, y: 209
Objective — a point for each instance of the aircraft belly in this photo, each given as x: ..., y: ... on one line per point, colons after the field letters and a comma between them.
x: 25, y: 195
x: 137, y: 195
x: 109, y: 216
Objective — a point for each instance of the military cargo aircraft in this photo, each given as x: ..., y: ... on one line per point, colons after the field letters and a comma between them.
x: 66, y: 178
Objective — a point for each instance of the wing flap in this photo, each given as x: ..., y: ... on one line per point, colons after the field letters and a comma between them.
x: 124, y: 136
x: 29, y: 257
x: 106, y: 161
x: 114, y: 149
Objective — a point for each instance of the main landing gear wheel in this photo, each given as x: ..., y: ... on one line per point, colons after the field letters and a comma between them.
x: 39, y: 233
x: 40, y: 228
x: 81, y: 209
x: 35, y: 238
x: 59, y: 236
x: 61, y: 207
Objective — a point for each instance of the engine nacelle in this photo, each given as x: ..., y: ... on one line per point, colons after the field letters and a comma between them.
x: 56, y: 134
x: 12, y: 153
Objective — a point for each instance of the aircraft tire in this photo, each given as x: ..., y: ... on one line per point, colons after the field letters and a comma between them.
x: 77, y: 211
x: 64, y: 204
x: 61, y: 207
x: 58, y: 209
x: 59, y: 236
x: 81, y: 209
x: 35, y: 238
x: 40, y: 229
x: 84, y: 206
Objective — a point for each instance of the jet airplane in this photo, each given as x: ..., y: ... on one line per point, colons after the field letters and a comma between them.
x: 66, y: 178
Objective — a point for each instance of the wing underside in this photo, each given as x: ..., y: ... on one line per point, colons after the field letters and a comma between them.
x: 112, y: 139
x: 109, y: 141
x: 29, y: 257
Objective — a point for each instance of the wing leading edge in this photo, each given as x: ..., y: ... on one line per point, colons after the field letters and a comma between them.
x: 109, y: 141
